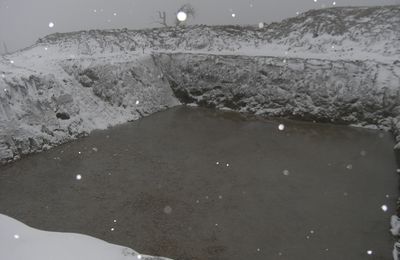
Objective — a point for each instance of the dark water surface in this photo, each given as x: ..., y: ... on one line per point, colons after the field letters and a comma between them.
x: 311, y: 191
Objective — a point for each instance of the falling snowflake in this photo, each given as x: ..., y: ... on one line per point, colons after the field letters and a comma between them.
x: 16, y: 236
x: 384, y: 208
x: 139, y: 256
x: 51, y: 24
x: 137, y: 102
x: 369, y: 252
x: 115, y: 14
x: 233, y: 15
x: 217, y: 163
x: 334, y: 3
x: 227, y: 165
x: 349, y: 167
x: 112, y: 229
x: 78, y: 177
x: 261, y: 25
x: 281, y: 127
x: 11, y: 61
x: 167, y: 210
x: 181, y: 16
x: 286, y: 172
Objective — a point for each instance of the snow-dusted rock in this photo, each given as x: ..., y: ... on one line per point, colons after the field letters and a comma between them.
x: 20, y: 242
x: 396, y: 251
x: 336, y: 64
x: 350, y: 92
x: 395, y: 225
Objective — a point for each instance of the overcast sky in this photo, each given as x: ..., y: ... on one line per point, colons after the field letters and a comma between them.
x: 22, y: 22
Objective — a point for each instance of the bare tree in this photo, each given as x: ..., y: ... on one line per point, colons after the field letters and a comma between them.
x: 188, y: 9
x: 162, y: 18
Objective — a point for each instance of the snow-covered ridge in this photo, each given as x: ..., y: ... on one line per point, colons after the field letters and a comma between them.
x: 340, y: 64
x: 348, y: 30
x: 20, y: 242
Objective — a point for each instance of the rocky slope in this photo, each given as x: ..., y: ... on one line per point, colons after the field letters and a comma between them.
x: 345, y: 92
x: 336, y: 64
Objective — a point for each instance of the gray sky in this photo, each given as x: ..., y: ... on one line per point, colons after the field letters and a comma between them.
x: 22, y: 22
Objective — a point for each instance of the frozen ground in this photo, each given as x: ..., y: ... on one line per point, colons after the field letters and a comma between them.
x: 336, y: 64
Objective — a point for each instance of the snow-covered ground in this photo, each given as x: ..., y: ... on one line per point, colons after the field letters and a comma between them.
x: 20, y: 242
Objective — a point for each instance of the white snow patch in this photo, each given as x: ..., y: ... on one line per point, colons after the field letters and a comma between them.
x: 18, y: 241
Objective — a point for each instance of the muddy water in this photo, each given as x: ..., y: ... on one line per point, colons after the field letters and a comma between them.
x: 199, y: 184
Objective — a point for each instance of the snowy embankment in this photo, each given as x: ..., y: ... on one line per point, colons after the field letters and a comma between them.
x: 18, y: 241
x: 336, y: 64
